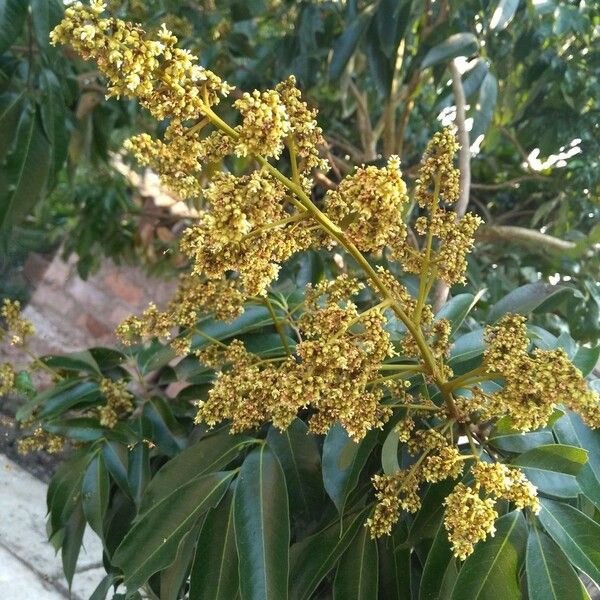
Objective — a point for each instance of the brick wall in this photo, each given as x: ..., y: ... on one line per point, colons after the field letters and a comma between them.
x: 70, y: 313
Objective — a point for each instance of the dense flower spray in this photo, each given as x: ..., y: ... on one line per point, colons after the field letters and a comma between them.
x: 338, y: 362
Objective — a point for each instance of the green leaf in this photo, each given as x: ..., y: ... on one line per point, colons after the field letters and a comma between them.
x: 138, y: 471
x: 525, y: 299
x: 215, y: 569
x: 492, y: 571
x: 515, y: 441
x: 488, y: 94
x: 262, y: 527
x: 343, y: 460
x: 74, y: 362
x: 392, y: 18
x: 95, y: 492
x: 503, y: 14
x: 394, y: 567
x: 570, y: 429
x: 459, y: 44
x: 74, y: 529
x: 174, y: 577
x: 357, y: 572
x: 212, y: 453
x: 552, y: 468
x: 10, y: 108
x: 12, y: 21
x: 103, y: 588
x: 577, y: 535
x: 389, y: 453
x: 314, y: 557
x: 82, y: 394
x: 549, y: 575
x: 298, y: 453
x: 116, y: 460
x: 26, y: 169
x: 168, y: 433
x: 427, y: 520
x: 440, y: 570
x: 153, y: 541
x: 586, y: 359
x: 467, y: 346
x: 457, y: 309
x: 345, y: 46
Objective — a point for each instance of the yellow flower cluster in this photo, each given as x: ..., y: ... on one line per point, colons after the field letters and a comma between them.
x: 265, y: 124
x: 167, y: 80
x: 339, y: 356
x: 118, y: 402
x: 469, y: 518
x: 536, y: 383
x: 18, y: 328
x: 7, y: 378
x: 368, y: 206
x: 439, y: 460
x: 40, y: 440
x: 438, y: 183
x: 247, y: 228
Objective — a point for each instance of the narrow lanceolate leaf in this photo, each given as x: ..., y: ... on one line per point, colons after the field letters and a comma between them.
x: 138, y: 471
x: 459, y: 44
x: 298, y: 453
x: 262, y: 527
x: 440, y: 570
x: 210, y: 454
x: 95, y: 491
x: 343, y: 460
x: 314, y: 557
x: 577, y: 535
x: 552, y: 468
x: 215, y: 569
x: 26, y: 169
x: 357, y: 573
x: 492, y: 571
x: 549, y: 574
x: 394, y: 566
x: 389, y: 453
x: 152, y: 543
x: 71, y: 545
x: 12, y: 19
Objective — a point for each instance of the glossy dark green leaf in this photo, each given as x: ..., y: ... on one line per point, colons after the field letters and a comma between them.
x: 440, y: 569
x: 343, y: 460
x: 577, y: 535
x: 427, y: 520
x: 514, y: 441
x: 552, y: 468
x: 82, y: 394
x: 549, y: 574
x: 459, y: 44
x: 153, y: 541
x: 83, y: 429
x: 212, y: 453
x: 467, y: 346
x: 74, y: 529
x: 138, y: 471
x: 116, y: 460
x: 12, y: 20
x: 314, y: 557
x: 345, y: 46
x: 380, y: 66
x: 525, y: 299
x: 298, y: 453
x: 103, y: 588
x: 586, y: 359
x: 262, y: 527
x: 174, y: 577
x: 389, y: 453
x: 458, y: 308
x: 503, y: 14
x: 168, y: 433
x: 394, y: 567
x: 26, y: 169
x: 392, y: 18
x: 492, y: 571
x: 73, y: 361
x: 488, y: 95
x: 215, y: 569
x: 358, y: 569
x: 10, y: 109
x: 95, y: 492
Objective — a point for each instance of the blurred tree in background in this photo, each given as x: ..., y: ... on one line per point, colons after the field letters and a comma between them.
x: 528, y: 72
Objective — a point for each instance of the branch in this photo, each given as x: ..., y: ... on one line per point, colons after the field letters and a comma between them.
x: 523, y: 236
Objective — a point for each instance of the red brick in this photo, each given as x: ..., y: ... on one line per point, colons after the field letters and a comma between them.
x: 123, y: 287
